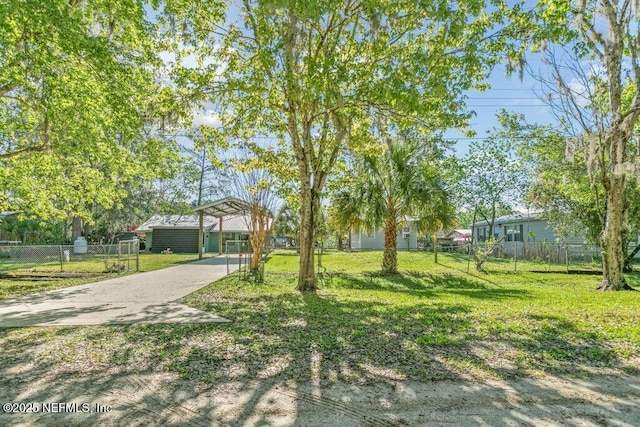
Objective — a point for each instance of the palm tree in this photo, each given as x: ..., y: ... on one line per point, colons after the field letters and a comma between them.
x: 384, y: 189
x: 344, y: 213
x: 287, y: 223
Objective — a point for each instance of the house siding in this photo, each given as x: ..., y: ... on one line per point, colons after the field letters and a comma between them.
x: 537, y: 237
x: 362, y: 241
x: 148, y: 241
x: 178, y: 240
x: 212, y: 240
x: 533, y: 230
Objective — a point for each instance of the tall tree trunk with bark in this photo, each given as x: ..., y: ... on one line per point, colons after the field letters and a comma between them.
x: 612, y: 237
x: 390, y: 257
x: 76, y: 228
x: 435, y: 247
x: 308, y: 226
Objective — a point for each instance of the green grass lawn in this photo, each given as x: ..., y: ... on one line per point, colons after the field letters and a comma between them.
x: 430, y: 322
x: 11, y: 288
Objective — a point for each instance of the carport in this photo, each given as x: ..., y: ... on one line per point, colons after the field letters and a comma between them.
x: 220, y: 208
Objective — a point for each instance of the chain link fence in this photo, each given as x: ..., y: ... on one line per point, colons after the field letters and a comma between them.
x: 237, y: 247
x: 534, y: 256
x: 114, y: 258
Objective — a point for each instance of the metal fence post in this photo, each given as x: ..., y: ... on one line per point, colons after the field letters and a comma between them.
x: 61, y: 259
x: 129, y: 249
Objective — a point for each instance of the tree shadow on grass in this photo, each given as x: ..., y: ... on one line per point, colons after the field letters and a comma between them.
x: 448, y: 280
x: 310, y: 341
x: 422, y: 285
x: 633, y: 279
x: 287, y: 253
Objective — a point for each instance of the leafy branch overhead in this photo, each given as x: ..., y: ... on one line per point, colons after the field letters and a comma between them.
x: 76, y: 83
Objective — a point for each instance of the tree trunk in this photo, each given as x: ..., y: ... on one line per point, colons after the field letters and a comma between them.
x: 257, y: 242
x: 256, y: 259
x: 390, y: 257
x: 435, y: 247
x: 76, y: 228
x: 258, y: 234
x: 612, y: 236
x: 308, y: 226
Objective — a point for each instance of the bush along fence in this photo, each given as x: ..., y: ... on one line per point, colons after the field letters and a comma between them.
x: 536, y: 256
x: 120, y: 257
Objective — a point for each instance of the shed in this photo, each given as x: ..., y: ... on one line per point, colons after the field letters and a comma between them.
x: 449, y: 240
x: 180, y: 233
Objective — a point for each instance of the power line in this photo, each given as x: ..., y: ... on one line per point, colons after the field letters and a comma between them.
x: 503, y: 89
x: 507, y: 105
x: 482, y: 138
x: 504, y: 97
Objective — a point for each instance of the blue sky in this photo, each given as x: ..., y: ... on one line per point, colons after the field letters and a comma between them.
x: 509, y: 93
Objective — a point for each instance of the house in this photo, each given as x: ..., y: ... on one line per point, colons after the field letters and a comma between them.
x: 407, y: 238
x: 180, y: 233
x: 529, y: 235
x: 524, y: 227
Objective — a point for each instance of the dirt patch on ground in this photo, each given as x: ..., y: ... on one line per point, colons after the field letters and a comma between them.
x: 44, y: 275
x: 152, y: 399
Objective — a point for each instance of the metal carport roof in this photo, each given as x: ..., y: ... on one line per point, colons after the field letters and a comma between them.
x: 223, y: 207
x: 219, y: 208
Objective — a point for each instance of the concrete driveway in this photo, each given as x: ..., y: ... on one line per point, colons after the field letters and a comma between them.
x: 139, y: 298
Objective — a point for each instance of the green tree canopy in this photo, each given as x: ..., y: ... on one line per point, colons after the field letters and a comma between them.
x: 77, y: 93
x: 313, y: 74
x: 493, y: 178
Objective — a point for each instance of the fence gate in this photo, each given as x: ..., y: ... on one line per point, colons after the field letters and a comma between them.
x: 128, y: 254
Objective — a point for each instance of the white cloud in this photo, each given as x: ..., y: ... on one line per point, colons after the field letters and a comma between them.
x: 208, y: 118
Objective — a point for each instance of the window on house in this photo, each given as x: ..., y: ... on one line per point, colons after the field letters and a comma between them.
x: 482, y: 234
x: 513, y: 233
